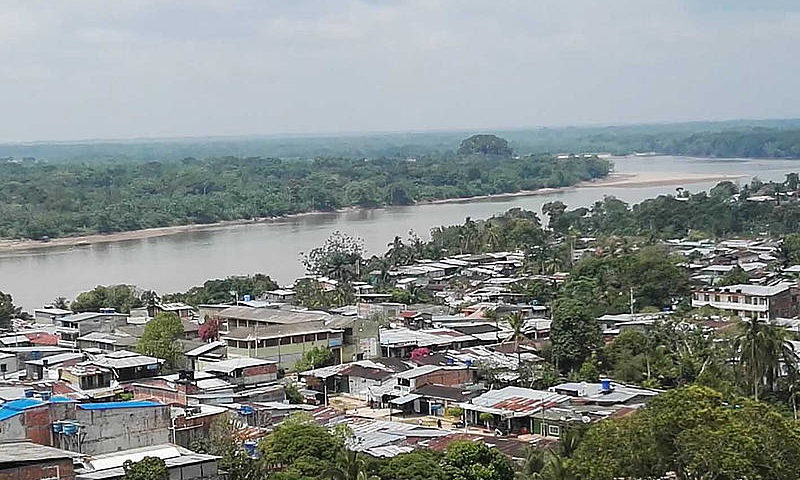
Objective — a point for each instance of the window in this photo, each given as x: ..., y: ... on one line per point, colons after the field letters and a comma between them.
x: 706, y: 297
x: 286, y: 340
x: 297, y: 339
x: 747, y: 300
x: 310, y: 337
x: 734, y: 299
x: 322, y: 336
x: 716, y: 298
x: 272, y: 342
x: 553, y: 430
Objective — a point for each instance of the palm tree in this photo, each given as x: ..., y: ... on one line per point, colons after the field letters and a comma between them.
x: 349, y: 465
x: 762, y: 348
x: 516, y: 321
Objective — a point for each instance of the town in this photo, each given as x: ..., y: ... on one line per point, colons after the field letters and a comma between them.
x: 501, y: 342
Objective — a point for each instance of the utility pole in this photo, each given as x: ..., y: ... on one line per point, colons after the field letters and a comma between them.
x: 632, y: 300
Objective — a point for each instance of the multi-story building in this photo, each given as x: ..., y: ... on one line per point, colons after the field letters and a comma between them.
x: 750, y: 301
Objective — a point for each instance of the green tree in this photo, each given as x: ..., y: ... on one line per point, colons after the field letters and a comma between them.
x: 148, y: 468
x: 695, y: 433
x: 349, y: 465
x: 574, y: 333
x: 485, y: 145
x: 791, y: 248
x: 119, y: 297
x: 160, y: 338
x: 339, y: 258
x: 762, y: 349
x: 420, y: 464
x: 223, y: 440
x: 734, y: 277
x: 7, y: 310
x: 517, y: 322
x: 315, y: 357
x: 300, y: 447
x: 465, y: 460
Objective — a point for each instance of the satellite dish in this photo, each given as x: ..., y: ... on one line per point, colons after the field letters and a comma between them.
x: 586, y: 419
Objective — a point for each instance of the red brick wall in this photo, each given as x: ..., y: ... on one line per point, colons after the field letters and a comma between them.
x: 260, y: 370
x: 444, y: 377
x: 39, y: 471
x: 38, y: 425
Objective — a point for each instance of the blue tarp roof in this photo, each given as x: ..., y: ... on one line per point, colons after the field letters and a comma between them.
x: 15, y: 407
x: 110, y: 405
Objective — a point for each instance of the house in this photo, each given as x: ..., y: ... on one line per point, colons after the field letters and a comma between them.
x: 360, y: 337
x: 48, y: 315
x: 109, y: 342
x: 182, y: 310
x: 415, y: 378
x: 36, y: 368
x: 245, y: 371
x: 433, y: 399
x: 605, y: 393
x: 400, y: 342
x: 283, y: 295
x: 181, y: 463
x: 761, y: 302
x: 30, y: 461
x: 369, y: 309
x: 70, y: 327
x: 516, y: 409
x: 128, y: 366
x: 85, y: 376
x: 205, y: 354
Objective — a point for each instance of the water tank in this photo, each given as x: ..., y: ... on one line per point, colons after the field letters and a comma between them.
x: 605, y: 385
x: 250, y: 447
x: 28, y: 393
x: 247, y: 298
x: 45, y: 396
x: 246, y: 410
x: 69, y: 428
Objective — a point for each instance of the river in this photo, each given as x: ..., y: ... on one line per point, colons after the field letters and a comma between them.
x: 176, y: 262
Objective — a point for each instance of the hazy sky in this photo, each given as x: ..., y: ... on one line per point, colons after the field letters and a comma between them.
x: 100, y: 69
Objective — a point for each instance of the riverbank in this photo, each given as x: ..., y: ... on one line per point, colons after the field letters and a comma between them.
x: 617, y: 180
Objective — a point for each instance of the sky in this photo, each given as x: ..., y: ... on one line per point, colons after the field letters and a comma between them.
x: 125, y: 69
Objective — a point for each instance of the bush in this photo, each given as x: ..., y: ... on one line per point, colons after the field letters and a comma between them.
x: 454, y: 412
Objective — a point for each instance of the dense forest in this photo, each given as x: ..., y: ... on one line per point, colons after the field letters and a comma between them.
x: 53, y: 200
x: 744, y: 138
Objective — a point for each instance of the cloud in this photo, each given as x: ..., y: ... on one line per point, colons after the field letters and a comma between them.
x: 124, y: 69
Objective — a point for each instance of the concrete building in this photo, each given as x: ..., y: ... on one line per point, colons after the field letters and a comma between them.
x: 30, y: 461
x: 284, y: 344
x: 70, y: 327
x: 48, y: 315
x: 750, y: 301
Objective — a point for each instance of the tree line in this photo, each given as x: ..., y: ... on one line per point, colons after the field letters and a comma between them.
x: 40, y: 200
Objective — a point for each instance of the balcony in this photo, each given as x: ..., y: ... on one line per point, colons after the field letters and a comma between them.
x: 736, y: 306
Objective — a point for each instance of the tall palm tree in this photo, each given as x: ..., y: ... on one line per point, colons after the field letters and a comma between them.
x: 516, y: 321
x: 763, y: 348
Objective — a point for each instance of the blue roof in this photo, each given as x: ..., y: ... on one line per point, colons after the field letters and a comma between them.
x: 61, y: 400
x: 110, y: 405
x: 15, y: 407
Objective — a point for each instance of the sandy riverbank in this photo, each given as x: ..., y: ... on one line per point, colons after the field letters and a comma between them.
x: 613, y: 180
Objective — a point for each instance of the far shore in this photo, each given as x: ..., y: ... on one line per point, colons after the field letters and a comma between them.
x: 613, y: 180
